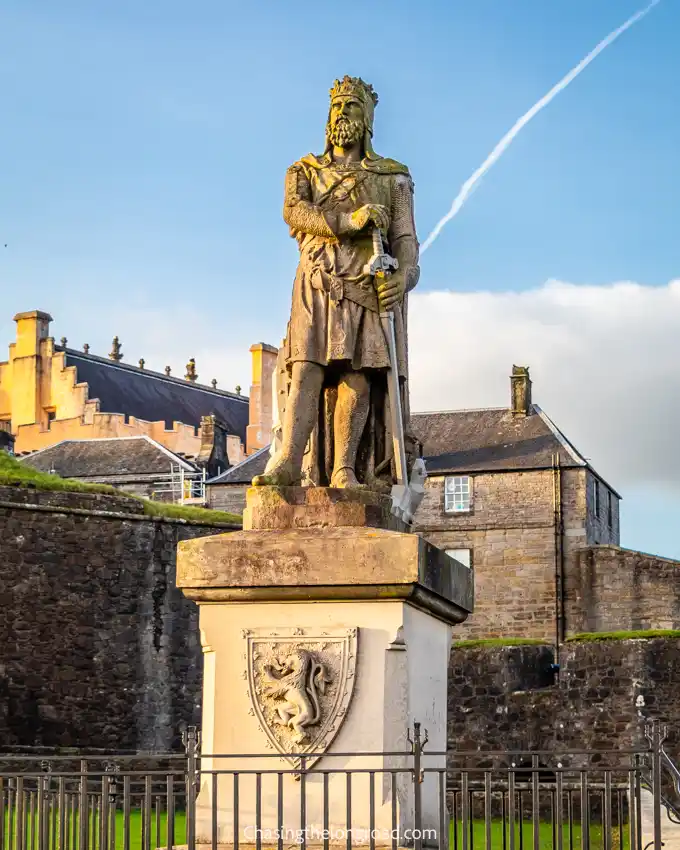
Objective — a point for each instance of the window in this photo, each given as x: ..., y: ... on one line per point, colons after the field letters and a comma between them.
x: 51, y: 416
x: 457, y: 494
x: 596, y: 498
x: 610, y: 509
x: 463, y: 556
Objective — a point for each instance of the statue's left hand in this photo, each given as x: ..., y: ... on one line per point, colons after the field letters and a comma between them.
x: 391, y: 291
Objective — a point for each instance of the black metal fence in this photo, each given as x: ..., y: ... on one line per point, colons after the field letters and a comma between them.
x: 579, y: 800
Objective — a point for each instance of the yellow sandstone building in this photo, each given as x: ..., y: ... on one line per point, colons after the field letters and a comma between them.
x: 50, y: 393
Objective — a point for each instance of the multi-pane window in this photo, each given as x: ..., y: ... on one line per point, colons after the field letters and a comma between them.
x: 610, y: 508
x: 463, y: 556
x: 596, y: 497
x: 457, y: 494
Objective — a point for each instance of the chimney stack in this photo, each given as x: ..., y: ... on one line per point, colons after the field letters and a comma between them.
x: 261, y: 419
x: 520, y: 391
x: 213, y: 452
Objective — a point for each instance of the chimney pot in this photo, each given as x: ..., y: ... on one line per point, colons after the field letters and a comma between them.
x: 520, y: 391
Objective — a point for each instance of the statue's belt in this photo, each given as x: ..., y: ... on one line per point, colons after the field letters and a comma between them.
x: 360, y: 290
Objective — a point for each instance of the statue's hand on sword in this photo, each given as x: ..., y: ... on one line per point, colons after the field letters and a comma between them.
x: 391, y: 289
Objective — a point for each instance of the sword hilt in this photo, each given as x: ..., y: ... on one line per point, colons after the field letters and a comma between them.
x: 378, y: 244
x: 380, y: 263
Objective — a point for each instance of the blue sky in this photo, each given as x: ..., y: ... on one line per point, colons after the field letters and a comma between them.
x: 144, y: 144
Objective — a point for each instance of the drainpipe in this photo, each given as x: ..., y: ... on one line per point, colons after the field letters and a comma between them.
x: 559, y: 556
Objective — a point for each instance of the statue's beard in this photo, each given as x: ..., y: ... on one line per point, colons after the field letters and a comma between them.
x: 345, y: 132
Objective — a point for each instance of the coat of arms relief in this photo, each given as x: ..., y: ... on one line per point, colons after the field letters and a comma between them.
x: 300, y: 686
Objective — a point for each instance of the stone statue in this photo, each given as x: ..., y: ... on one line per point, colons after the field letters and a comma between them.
x: 334, y: 414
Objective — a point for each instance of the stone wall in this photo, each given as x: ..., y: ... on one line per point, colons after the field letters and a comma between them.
x: 611, y: 589
x: 97, y: 646
x: 507, y: 697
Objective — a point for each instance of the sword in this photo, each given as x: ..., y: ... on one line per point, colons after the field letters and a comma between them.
x: 380, y: 266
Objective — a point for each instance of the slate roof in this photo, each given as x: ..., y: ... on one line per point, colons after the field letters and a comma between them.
x: 154, y: 397
x: 493, y: 440
x: 97, y: 458
x: 245, y: 471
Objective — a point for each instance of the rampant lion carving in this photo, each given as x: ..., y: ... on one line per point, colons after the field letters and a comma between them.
x: 297, y: 680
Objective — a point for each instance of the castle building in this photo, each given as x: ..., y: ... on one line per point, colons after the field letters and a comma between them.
x: 50, y: 393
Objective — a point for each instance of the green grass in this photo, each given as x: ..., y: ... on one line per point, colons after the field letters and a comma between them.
x: 501, y: 641
x: 191, y: 513
x: 545, y: 836
x: 159, y: 838
x: 16, y: 474
x: 632, y: 635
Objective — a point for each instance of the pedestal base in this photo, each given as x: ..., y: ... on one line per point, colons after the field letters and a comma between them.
x: 323, y: 648
x: 399, y: 676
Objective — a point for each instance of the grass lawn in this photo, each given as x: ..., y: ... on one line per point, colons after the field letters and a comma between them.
x: 136, y: 831
x: 546, y: 839
x: 159, y: 838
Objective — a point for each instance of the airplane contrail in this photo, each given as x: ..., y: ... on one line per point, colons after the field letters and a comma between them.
x: 467, y: 187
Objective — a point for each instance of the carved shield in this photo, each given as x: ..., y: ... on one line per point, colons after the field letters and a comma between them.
x: 300, y: 683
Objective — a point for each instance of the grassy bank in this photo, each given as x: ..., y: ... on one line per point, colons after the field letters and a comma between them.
x: 640, y: 634
x: 13, y: 473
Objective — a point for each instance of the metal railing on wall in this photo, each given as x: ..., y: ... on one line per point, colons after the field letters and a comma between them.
x: 576, y: 800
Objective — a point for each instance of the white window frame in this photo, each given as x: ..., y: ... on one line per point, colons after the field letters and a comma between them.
x: 465, y: 560
x: 457, y: 494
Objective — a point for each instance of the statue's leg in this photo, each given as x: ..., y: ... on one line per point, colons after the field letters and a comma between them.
x: 302, y: 410
x: 351, y: 415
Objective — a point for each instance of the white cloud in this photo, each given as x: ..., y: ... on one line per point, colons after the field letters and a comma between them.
x: 604, y: 363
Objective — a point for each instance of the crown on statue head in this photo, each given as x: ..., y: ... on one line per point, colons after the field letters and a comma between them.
x: 354, y: 87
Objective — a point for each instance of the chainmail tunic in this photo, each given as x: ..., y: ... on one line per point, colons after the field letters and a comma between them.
x: 335, y: 311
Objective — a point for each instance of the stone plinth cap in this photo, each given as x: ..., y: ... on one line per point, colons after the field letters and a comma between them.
x: 338, y: 564
x: 33, y: 314
x: 284, y: 508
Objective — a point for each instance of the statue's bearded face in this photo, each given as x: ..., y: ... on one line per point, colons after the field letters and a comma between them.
x: 346, y: 123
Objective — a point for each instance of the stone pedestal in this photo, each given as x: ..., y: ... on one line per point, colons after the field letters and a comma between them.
x: 364, y: 614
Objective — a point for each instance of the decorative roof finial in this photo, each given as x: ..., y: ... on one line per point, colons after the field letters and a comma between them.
x: 167, y: 370
x: 142, y: 361
x: 116, y: 350
x: 191, y: 374
x: 238, y: 389
x: 214, y: 383
x: 86, y: 348
x: 63, y: 342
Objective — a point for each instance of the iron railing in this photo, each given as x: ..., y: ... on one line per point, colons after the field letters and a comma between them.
x: 576, y: 800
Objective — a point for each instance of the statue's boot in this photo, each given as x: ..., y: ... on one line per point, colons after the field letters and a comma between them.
x: 282, y: 474
x: 345, y: 477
